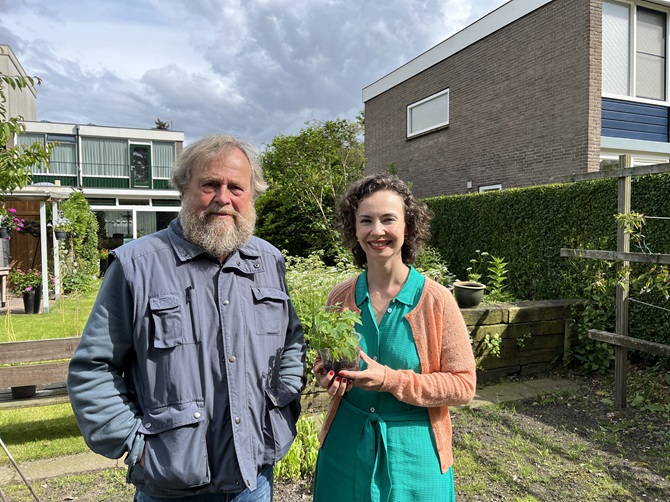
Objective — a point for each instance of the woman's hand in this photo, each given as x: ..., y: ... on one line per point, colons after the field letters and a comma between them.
x: 370, y: 378
x: 335, y: 385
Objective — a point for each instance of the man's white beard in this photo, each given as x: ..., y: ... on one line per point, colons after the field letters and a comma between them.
x: 218, y: 237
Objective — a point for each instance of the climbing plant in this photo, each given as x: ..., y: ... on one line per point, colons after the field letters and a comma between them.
x: 80, y: 249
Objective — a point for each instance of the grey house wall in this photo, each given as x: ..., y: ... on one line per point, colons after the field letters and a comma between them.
x: 524, y: 106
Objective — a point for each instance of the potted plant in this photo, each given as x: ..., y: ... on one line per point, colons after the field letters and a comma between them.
x: 9, y: 222
x: 334, y: 336
x: 27, y: 284
x: 470, y: 293
x: 103, y: 254
x: 62, y: 226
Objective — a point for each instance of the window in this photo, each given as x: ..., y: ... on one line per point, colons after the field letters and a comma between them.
x: 428, y: 114
x: 163, y: 158
x: 63, y: 155
x: 610, y: 161
x: 634, y: 47
x: 105, y: 157
x: 488, y: 188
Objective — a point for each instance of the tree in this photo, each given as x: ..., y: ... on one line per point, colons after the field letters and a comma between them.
x: 307, y: 174
x: 16, y: 161
x: 161, y: 124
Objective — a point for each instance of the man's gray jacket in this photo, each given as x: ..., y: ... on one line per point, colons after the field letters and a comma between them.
x: 195, y: 364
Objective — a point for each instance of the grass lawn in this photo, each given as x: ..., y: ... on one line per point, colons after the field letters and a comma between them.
x: 66, y: 317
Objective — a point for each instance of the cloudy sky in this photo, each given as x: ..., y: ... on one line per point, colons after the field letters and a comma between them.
x: 252, y: 68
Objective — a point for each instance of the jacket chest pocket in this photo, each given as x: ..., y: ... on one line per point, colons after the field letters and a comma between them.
x: 269, y: 310
x: 174, y: 320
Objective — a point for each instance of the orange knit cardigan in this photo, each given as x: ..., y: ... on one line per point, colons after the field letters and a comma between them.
x: 447, y: 375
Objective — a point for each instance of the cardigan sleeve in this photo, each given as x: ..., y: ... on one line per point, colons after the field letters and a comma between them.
x: 448, y: 370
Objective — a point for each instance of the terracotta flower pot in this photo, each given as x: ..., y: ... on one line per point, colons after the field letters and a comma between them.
x: 468, y: 293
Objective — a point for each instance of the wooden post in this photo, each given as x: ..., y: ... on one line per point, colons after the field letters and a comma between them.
x: 623, y: 245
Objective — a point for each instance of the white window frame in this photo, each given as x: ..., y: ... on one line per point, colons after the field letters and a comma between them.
x: 413, y: 106
x: 632, y: 76
x: 490, y: 188
x: 638, y: 159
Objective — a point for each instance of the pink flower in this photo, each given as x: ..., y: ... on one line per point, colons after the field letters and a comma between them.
x: 11, y: 210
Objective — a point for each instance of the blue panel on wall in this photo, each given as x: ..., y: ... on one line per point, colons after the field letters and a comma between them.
x: 624, y: 119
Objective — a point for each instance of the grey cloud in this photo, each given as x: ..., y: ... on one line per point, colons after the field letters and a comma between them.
x: 273, y: 64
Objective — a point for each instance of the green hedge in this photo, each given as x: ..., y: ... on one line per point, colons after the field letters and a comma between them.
x: 529, y: 226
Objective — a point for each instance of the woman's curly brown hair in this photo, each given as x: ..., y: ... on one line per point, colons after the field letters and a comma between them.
x: 417, y: 215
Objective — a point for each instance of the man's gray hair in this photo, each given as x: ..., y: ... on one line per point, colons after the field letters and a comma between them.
x: 199, y: 154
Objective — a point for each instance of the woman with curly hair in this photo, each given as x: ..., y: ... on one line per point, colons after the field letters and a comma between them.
x: 387, y: 433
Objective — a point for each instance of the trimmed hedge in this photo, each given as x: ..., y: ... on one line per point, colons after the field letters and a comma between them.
x: 529, y: 226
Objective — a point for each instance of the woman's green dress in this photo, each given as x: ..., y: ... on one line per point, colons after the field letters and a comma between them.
x: 379, y: 448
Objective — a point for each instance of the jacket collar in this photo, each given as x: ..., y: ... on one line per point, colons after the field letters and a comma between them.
x: 246, y: 259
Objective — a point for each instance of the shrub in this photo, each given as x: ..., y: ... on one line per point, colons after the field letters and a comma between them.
x: 529, y: 226
x: 78, y: 282
x: 431, y: 264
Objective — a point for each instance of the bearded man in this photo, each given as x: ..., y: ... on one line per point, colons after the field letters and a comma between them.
x: 193, y: 358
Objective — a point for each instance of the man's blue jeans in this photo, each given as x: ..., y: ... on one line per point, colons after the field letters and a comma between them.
x: 262, y: 493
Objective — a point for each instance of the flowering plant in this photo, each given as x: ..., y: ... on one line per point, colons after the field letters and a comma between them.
x: 103, y: 253
x: 24, y: 281
x: 62, y: 224
x: 8, y: 220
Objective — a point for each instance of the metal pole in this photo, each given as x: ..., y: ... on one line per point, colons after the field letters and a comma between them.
x: 16, y: 466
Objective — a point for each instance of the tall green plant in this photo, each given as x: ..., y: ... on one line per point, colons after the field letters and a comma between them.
x: 307, y: 174
x: 16, y: 161
x: 81, y: 249
x: 492, y: 270
x: 430, y: 263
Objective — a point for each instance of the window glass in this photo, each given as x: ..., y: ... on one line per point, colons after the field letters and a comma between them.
x: 63, y: 159
x: 616, y: 42
x: 489, y: 188
x: 164, y: 157
x: 650, y: 57
x: 428, y: 113
x: 26, y: 140
x: 105, y: 157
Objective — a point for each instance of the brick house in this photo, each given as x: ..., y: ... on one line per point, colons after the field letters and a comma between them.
x: 533, y: 91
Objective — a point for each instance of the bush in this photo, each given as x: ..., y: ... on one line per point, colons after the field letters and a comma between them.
x: 83, y: 237
x: 529, y: 226
x: 78, y: 282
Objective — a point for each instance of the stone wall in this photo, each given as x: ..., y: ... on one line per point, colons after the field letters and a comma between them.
x: 535, y: 336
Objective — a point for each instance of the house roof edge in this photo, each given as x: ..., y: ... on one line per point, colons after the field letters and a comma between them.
x: 483, y: 27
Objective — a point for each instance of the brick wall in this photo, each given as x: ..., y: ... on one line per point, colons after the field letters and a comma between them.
x: 524, y: 106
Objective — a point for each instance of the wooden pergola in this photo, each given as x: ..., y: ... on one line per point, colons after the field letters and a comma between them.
x: 622, y: 256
